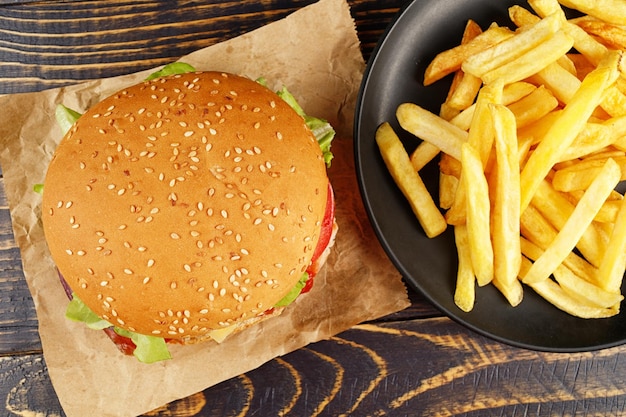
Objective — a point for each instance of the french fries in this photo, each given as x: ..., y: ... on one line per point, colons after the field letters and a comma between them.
x: 506, y: 206
x: 576, y: 224
x: 531, y: 143
x: 409, y: 181
x: 613, y: 11
x: 478, y: 215
x: 567, y: 127
x: 465, y: 291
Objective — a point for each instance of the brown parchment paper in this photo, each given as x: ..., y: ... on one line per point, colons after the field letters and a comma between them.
x: 315, y: 52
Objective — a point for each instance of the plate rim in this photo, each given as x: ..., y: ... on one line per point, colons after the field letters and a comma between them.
x: 382, y: 238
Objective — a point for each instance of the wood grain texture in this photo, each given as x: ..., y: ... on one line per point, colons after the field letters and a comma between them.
x: 429, y: 367
x: 411, y: 363
x: 18, y: 320
x: 51, y: 44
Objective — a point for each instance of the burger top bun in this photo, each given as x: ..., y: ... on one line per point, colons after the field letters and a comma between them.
x: 185, y: 204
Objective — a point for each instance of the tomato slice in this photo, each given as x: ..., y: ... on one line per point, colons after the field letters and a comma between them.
x: 123, y: 343
x: 326, y: 233
x: 326, y: 230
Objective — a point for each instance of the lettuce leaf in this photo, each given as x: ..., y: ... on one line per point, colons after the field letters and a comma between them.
x: 170, y: 69
x: 294, y: 293
x: 322, y: 130
x: 78, y: 311
x: 65, y: 117
x: 149, y: 349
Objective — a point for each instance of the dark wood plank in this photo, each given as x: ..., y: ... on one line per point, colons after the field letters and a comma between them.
x: 367, y: 371
x: 26, y: 388
x: 99, y: 38
x: 18, y: 320
x: 410, y: 363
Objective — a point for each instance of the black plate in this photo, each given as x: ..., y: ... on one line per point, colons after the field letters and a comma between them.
x: 394, y: 75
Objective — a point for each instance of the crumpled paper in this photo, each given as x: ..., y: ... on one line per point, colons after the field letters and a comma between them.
x: 323, y: 69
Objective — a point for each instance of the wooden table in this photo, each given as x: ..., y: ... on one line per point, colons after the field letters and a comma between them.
x: 415, y: 362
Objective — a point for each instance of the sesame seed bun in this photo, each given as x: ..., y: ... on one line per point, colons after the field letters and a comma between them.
x: 185, y: 204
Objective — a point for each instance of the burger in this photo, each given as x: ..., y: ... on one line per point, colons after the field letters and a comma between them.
x: 188, y: 207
